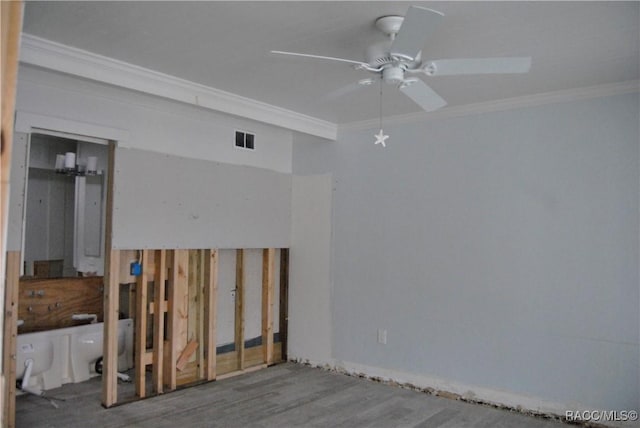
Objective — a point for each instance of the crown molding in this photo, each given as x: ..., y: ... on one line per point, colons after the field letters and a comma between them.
x: 66, y: 59
x: 561, y: 96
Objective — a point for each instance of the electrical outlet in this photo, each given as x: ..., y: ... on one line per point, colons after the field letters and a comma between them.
x: 382, y: 336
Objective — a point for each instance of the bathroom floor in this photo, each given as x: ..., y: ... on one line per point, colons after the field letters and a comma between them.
x: 285, y: 395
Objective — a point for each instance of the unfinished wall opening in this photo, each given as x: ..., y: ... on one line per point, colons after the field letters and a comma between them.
x: 201, y: 315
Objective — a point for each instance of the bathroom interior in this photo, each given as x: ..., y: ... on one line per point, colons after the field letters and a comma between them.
x: 60, y: 306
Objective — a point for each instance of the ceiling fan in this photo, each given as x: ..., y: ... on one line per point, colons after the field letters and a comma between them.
x: 392, y: 60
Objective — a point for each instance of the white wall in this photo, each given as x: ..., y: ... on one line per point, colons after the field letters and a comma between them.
x: 153, y: 123
x: 499, y: 251
x: 310, y: 317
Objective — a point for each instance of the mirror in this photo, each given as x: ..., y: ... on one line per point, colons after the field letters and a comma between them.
x: 64, y: 215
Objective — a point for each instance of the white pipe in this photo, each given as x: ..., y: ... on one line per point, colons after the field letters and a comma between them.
x: 24, y: 386
x: 84, y: 317
x: 124, y: 377
x: 27, y: 374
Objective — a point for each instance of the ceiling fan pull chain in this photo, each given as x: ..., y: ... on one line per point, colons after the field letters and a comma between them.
x: 380, y: 137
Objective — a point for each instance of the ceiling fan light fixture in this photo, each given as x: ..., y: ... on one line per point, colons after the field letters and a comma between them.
x: 393, y: 75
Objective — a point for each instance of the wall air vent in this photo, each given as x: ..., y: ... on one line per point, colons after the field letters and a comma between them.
x: 244, y: 140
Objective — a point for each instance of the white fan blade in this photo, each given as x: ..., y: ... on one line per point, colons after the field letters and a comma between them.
x: 319, y: 57
x: 423, y: 95
x: 418, y: 23
x: 345, y: 90
x: 454, y: 67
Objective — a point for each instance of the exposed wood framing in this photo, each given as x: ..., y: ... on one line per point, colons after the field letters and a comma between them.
x: 177, y: 315
x: 111, y: 297
x: 284, y: 300
x: 11, y: 26
x: 194, y: 313
x: 158, y: 319
x: 227, y: 362
x: 210, y: 285
x: 243, y: 371
x: 170, y: 354
x: 239, y: 314
x: 110, y: 343
x: 182, y: 297
x: 10, y: 336
x: 141, y: 326
x: 188, y: 348
x: 200, y: 327
x: 268, y: 279
x: 187, y: 352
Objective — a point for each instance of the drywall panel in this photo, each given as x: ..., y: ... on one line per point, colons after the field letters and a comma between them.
x: 164, y: 201
x: 18, y: 178
x: 498, y: 250
x: 310, y: 269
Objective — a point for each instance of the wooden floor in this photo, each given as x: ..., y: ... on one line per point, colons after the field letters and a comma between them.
x: 287, y: 395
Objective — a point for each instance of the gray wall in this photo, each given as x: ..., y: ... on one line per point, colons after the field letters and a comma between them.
x: 165, y: 201
x: 498, y: 250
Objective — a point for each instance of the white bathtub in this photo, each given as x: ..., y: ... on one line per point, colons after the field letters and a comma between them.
x: 68, y: 355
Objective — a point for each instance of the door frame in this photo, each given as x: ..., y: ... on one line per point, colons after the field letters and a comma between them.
x: 29, y: 123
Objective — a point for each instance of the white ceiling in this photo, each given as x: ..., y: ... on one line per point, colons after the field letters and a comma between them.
x: 226, y: 45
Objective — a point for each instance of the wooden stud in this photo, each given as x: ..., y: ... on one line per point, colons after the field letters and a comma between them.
x: 187, y: 352
x: 178, y: 313
x: 10, y: 331
x: 111, y: 296
x: 239, y: 315
x: 163, y: 306
x: 193, y: 303
x: 268, y: 279
x: 182, y: 302
x: 210, y: 285
x: 284, y: 300
x: 110, y: 342
x: 158, y: 319
x: 172, y: 325
x: 201, y: 293
x: 11, y: 26
x: 141, y: 326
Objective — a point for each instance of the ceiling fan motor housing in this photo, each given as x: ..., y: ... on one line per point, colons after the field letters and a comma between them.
x: 378, y: 55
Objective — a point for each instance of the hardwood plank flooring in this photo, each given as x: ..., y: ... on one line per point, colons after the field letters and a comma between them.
x: 285, y: 395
